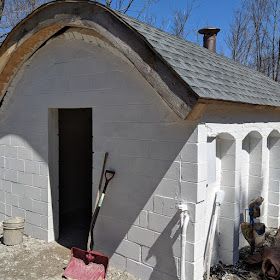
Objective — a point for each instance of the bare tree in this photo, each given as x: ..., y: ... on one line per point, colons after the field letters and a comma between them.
x: 124, y: 6
x: 180, y: 19
x: 254, y: 37
x: 2, y: 4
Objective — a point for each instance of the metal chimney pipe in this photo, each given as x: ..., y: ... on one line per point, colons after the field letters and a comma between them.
x: 209, y: 38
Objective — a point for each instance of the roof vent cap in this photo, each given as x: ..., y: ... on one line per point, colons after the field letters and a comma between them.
x: 209, y: 38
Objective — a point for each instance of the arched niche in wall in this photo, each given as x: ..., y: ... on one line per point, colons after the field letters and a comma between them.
x: 273, y: 143
x: 252, y: 178
x: 229, y: 212
x: 227, y: 232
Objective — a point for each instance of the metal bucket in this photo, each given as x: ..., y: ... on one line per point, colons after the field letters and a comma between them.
x: 13, y: 231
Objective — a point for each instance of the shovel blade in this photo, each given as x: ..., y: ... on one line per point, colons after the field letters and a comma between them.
x: 86, y: 265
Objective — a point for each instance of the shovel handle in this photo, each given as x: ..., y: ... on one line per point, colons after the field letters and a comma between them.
x: 109, y: 174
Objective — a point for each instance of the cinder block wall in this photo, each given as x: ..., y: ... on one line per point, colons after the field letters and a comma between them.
x: 148, y: 145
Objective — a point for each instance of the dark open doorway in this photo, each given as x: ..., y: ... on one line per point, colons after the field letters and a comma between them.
x: 75, y: 176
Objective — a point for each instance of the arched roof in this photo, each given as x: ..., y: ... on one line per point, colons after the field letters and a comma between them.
x: 185, y: 75
x: 52, y: 18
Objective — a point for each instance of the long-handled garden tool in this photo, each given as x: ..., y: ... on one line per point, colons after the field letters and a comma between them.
x: 90, y: 265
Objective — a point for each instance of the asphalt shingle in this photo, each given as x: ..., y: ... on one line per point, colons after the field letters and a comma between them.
x: 210, y: 75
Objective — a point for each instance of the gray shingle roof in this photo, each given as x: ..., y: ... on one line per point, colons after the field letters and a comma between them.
x: 211, y: 76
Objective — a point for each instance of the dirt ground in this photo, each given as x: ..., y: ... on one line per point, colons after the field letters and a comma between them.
x: 36, y: 259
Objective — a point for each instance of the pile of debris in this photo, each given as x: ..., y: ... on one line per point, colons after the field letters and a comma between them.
x: 259, y: 260
x: 243, y: 269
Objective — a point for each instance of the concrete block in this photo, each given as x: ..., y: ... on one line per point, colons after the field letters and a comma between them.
x: 129, y: 250
x: 157, y: 222
x: 2, y: 196
x: 194, y: 251
x: 44, y: 195
x: 193, y: 192
x: 32, y: 167
x: 168, y: 188
x: 196, y: 211
x: 195, y: 232
x: 195, y: 270
x: 165, y: 150
x: 44, y: 169
x: 2, y: 207
x: 194, y: 173
x: 274, y: 174
x: 28, y: 229
x: 141, y: 236
x: 255, y: 169
x: 273, y: 198
x: 33, y: 218
x: 228, y: 162
x: 256, y: 181
x: 39, y: 233
x: 25, y: 203
x: 40, y: 207
x: 273, y: 210
x: 118, y: 261
x: 17, y: 141
x: 11, y: 152
x: 12, y: 199
x: 229, y: 257
x: 40, y: 181
x: 143, y: 219
x: 8, y: 210
x: 139, y: 270
x: 5, y: 140
x: 194, y: 153
x: 18, y: 212
x: 199, y: 134
x: 10, y: 175
x: 24, y: 153
x: 7, y: 186
x: 25, y: 178
x: 228, y: 178
x: 230, y: 210
x: 273, y: 222
x: 228, y: 234
x: 164, y: 262
x: 173, y: 172
x: 14, y: 164
x: 164, y: 206
x: 232, y: 195
x: 2, y: 162
x: 47, y: 222
x: 274, y: 186
x: 32, y: 192
x: 18, y: 189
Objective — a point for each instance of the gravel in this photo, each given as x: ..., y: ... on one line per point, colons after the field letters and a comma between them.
x: 37, y: 259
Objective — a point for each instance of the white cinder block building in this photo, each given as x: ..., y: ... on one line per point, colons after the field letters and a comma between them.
x: 179, y: 123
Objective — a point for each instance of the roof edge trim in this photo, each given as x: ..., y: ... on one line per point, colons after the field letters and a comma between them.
x: 43, y: 23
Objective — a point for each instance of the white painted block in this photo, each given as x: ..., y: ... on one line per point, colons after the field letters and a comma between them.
x: 141, y: 236
x: 194, y: 173
x: 139, y: 270
x: 118, y: 261
x: 129, y: 250
x: 193, y: 192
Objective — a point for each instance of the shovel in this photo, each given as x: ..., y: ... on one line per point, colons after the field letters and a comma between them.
x: 90, y: 265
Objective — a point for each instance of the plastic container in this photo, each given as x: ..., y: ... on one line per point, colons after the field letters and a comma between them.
x: 13, y: 231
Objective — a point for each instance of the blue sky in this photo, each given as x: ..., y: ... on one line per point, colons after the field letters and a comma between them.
x: 217, y: 13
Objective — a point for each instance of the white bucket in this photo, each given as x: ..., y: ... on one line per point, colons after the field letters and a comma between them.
x: 13, y: 231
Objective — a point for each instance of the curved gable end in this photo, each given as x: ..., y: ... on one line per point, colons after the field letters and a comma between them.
x: 53, y: 18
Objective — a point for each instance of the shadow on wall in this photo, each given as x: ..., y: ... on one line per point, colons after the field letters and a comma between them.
x: 139, y: 219
x: 130, y: 209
